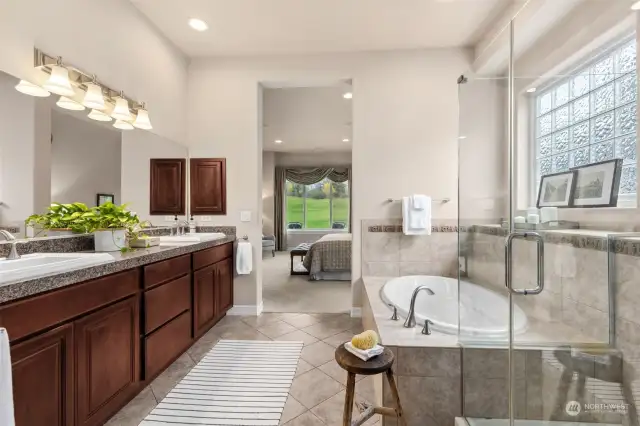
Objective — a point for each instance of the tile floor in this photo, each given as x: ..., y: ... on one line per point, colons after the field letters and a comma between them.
x: 316, y: 396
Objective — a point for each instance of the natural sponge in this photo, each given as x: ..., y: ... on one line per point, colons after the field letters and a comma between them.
x: 365, y: 340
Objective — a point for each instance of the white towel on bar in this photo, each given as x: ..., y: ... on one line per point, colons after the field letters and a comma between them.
x: 416, y: 222
x: 6, y: 388
x: 420, y: 202
x: 244, y: 258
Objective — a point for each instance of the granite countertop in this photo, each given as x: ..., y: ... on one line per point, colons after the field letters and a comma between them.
x: 120, y: 262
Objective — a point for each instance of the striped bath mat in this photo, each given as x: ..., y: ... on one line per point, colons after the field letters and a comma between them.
x: 239, y: 382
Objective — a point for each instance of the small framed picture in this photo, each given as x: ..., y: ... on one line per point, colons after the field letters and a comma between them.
x: 598, y: 184
x: 105, y: 198
x: 557, y: 190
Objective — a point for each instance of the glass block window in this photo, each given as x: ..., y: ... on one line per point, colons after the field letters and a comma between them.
x: 590, y: 117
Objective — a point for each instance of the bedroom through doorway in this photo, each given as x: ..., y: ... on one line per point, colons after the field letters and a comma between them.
x: 306, y: 191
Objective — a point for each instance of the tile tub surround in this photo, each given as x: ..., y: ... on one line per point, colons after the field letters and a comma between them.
x: 387, y: 252
x: 121, y: 262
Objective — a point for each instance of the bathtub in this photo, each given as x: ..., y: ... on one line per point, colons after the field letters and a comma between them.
x: 482, y: 312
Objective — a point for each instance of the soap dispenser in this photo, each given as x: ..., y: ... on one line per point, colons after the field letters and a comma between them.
x: 192, y: 225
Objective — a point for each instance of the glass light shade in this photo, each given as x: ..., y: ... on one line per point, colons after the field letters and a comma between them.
x: 123, y: 125
x: 66, y: 103
x: 93, y: 98
x: 142, y: 120
x: 121, y: 111
x: 31, y: 89
x: 99, y: 115
x: 58, y: 81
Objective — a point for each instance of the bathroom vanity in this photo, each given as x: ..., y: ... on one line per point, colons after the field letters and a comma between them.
x: 85, y: 342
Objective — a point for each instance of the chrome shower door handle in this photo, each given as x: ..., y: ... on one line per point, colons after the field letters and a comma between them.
x: 509, y: 262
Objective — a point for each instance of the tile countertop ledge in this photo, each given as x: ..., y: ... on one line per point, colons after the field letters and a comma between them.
x: 120, y: 262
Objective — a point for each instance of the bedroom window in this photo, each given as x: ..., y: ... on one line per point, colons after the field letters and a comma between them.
x: 590, y: 117
x: 322, y: 205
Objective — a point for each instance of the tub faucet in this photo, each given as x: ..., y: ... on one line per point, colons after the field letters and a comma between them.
x: 411, y: 317
x: 8, y: 236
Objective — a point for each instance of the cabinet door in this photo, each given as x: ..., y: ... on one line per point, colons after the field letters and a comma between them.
x: 107, y: 356
x: 167, y: 186
x: 42, y: 369
x: 204, y: 299
x: 225, y: 286
x: 208, y: 186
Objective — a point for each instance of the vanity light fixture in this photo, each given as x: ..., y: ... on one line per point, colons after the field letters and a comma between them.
x: 635, y: 6
x: 462, y: 137
x: 142, y: 118
x: 345, y: 140
x: 121, y: 111
x: 70, y: 104
x: 32, y: 89
x: 58, y: 81
x: 531, y: 90
x: 99, y: 115
x: 347, y: 95
x: 198, y: 24
x: 123, y: 125
x: 278, y: 141
x: 93, y: 98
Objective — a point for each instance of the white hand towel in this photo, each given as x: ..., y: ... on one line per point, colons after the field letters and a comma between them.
x: 420, y: 202
x: 416, y: 222
x: 364, y: 355
x: 244, y: 258
x: 6, y: 388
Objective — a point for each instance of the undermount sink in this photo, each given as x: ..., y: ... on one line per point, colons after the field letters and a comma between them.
x: 39, y: 264
x: 174, y: 240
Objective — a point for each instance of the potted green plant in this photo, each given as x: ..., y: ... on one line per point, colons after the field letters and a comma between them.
x: 60, y: 219
x: 111, y: 225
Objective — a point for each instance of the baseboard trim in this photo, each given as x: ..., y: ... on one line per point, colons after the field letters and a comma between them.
x: 356, y: 312
x: 246, y: 310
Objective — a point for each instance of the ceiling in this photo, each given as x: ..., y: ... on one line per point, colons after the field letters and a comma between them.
x: 310, y: 119
x: 263, y: 27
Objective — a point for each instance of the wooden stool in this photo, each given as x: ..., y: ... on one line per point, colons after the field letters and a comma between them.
x: 377, y: 365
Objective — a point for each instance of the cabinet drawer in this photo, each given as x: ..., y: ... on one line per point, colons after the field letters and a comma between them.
x: 166, y: 270
x: 210, y: 256
x: 166, y: 301
x: 32, y: 315
x: 166, y: 343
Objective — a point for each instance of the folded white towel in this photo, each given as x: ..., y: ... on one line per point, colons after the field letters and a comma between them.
x: 420, y: 202
x: 244, y: 258
x: 6, y: 388
x: 364, y: 355
x: 416, y: 222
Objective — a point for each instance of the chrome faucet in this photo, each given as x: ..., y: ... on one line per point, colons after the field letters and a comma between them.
x: 411, y: 317
x: 8, y: 236
x: 183, y: 226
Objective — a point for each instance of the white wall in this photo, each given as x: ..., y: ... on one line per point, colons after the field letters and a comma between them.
x: 268, y: 189
x: 405, y: 120
x: 85, y: 160
x: 108, y: 38
x: 137, y: 149
x: 24, y: 154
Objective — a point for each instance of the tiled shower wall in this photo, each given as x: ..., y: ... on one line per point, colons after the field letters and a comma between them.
x: 387, y: 252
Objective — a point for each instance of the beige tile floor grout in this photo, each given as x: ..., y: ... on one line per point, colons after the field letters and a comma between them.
x: 316, y: 396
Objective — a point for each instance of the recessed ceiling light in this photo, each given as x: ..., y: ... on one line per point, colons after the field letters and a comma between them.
x: 635, y: 6
x: 277, y: 141
x: 198, y: 24
x: 347, y: 95
x: 531, y: 90
x: 345, y: 140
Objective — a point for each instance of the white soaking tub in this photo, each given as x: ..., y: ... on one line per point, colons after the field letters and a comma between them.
x: 482, y: 313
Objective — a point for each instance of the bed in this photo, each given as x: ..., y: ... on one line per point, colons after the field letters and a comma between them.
x: 329, y: 258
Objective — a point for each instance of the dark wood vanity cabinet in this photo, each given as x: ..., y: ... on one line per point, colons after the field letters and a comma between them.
x: 107, y: 360
x: 167, y: 186
x: 208, y: 186
x: 43, y: 384
x: 80, y: 353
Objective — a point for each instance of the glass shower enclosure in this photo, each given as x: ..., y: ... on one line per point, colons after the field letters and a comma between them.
x: 552, y: 91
